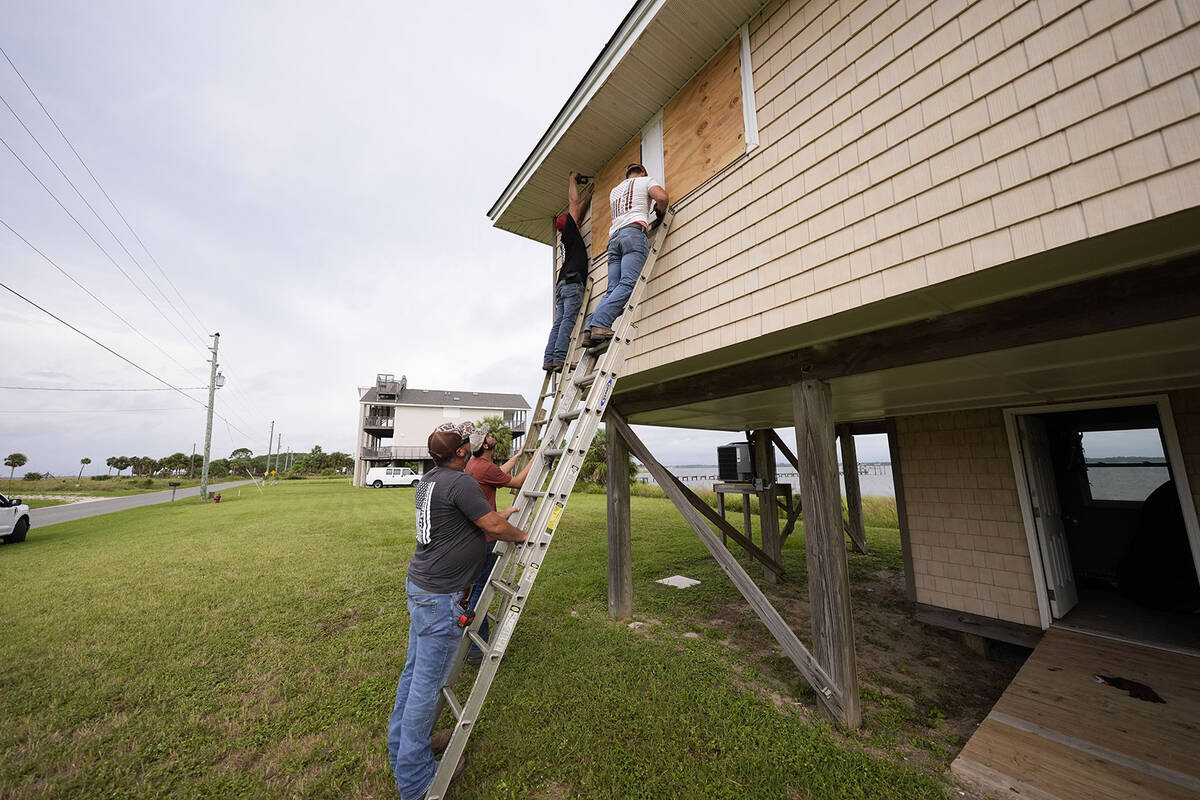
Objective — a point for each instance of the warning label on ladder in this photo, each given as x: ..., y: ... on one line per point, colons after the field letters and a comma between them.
x: 607, y: 392
x: 555, y: 513
x: 506, y: 630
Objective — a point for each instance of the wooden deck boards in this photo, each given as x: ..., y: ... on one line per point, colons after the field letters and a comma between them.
x: 1056, y: 732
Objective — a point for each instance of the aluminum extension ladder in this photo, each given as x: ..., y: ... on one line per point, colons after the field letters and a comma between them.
x: 551, y: 388
x: 566, y: 439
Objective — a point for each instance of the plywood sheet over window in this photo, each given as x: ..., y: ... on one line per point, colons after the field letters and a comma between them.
x: 704, y: 128
x: 607, y: 180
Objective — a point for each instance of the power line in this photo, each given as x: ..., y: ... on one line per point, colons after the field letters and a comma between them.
x: 89, y: 293
x: 97, y: 389
x: 96, y: 214
x: 115, y: 353
x: 98, y: 410
x: 87, y: 233
x: 96, y: 181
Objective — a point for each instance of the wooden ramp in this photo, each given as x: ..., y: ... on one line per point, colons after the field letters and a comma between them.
x: 1058, y: 733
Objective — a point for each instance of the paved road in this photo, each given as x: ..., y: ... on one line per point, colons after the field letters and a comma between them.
x: 51, y: 515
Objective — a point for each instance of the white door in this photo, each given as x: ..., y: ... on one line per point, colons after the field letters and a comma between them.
x: 1047, y: 516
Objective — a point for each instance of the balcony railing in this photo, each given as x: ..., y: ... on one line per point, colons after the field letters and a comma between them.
x: 397, y: 453
x: 380, y: 422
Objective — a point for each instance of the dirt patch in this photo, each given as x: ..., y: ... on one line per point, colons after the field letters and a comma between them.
x: 554, y: 791
x: 924, y: 692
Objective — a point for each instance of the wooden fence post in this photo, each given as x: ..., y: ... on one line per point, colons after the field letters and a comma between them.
x: 768, y: 512
x: 854, y: 527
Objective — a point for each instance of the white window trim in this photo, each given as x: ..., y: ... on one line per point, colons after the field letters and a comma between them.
x: 1174, y: 453
x: 652, y: 147
x: 749, y: 112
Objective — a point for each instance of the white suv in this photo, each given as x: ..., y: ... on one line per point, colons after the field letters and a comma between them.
x: 380, y: 477
x: 14, y: 520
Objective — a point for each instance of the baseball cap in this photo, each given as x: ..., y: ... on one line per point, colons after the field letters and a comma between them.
x: 448, y: 437
x: 478, y: 437
x: 560, y: 222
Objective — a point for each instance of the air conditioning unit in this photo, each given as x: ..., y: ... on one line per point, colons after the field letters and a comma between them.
x: 734, y: 464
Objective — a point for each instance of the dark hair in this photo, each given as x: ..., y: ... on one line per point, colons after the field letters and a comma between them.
x: 635, y: 168
x: 441, y: 462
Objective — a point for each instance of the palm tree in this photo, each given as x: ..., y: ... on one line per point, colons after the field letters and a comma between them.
x: 110, y: 462
x: 13, y: 461
x: 83, y: 462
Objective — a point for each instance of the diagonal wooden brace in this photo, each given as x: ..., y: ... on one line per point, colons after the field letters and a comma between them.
x: 829, y: 693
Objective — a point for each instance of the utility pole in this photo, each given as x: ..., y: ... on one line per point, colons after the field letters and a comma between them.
x: 270, y: 441
x: 192, y: 463
x: 212, y: 393
x: 278, y: 450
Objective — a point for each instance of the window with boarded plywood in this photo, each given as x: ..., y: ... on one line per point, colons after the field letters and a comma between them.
x: 606, y: 180
x: 704, y: 127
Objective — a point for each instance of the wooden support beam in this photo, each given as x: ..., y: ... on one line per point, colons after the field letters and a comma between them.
x: 910, y: 580
x: 1123, y: 300
x: 854, y: 525
x: 768, y: 513
x: 620, y: 547
x: 828, y: 575
x: 828, y: 691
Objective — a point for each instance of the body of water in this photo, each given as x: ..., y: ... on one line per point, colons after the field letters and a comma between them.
x: 877, y: 479
x: 1131, y: 483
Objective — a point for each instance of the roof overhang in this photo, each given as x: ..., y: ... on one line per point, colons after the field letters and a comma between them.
x: 656, y: 49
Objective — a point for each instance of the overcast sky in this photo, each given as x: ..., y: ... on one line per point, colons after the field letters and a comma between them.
x: 313, y: 178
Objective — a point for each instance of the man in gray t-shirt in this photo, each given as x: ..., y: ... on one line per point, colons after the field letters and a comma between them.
x: 453, y: 518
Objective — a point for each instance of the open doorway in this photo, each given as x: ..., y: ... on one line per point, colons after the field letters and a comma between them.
x: 1112, y: 522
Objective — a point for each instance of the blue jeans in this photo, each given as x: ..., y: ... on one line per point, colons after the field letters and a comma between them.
x: 627, y: 252
x: 567, y: 299
x: 488, y: 563
x: 433, y: 638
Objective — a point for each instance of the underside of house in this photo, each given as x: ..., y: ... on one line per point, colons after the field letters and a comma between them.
x: 972, y: 226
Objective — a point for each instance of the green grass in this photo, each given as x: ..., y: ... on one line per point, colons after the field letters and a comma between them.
x: 105, y: 486
x: 251, y: 649
x: 41, y: 502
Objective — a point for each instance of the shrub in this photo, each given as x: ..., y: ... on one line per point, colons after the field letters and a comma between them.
x: 33, y: 476
x: 329, y: 471
x: 101, y: 477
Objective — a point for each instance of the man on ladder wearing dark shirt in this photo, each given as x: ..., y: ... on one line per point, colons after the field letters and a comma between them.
x: 568, y: 291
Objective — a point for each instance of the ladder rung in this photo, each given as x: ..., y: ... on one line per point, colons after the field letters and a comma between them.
x: 452, y: 701
x: 569, y: 415
x: 479, y: 642
x: 586, y: 380
x: 533, y: 494
x: 553, y: 452
x: 501, y: 587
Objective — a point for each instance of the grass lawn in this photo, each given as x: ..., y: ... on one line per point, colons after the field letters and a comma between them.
x: 105, y: 487
x: 251, y: 649
x: 41, y: 502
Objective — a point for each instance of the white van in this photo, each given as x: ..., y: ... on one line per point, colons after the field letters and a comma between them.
x: 380, y: 477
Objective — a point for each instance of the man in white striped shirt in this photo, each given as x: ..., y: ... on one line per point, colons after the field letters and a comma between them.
x: 632, y: 201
